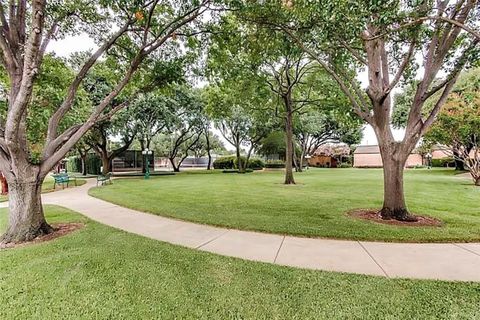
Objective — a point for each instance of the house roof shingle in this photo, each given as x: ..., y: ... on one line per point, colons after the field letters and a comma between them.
x: 367, y: 150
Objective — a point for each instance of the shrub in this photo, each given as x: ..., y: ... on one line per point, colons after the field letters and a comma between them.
x: 345, y: 165
x: 256, y: 164
x: 275, y: 164
x: 235, y: 162
x: 445, y: 162
x: 231, y: 162
x: 92, y: 163
x: 224, y: 163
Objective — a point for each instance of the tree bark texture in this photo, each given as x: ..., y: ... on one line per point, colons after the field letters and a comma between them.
x: 239, y: 159
x: 26, y: 218
x: 289, y: 179
x: 394, y: 158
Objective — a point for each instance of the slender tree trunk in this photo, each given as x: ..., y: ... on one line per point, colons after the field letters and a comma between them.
x: 143, y: 147
x: 289, y: 149
x: 26, y: 218
x: 83, y: 159
x: 294, y: 158
x: 209, y: 153
x: 209, y: 164
x: 249, y: 155
x: 459, y: 165
x: 239, y: 159
x: 394, y: 206
x: 300, y: 161
x: 176, y: 168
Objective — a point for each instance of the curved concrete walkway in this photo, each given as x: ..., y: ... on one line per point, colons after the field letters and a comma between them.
x: 453, y: 261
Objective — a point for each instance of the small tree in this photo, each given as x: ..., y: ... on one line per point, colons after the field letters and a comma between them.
x: 82, y: 149
x: 207, y: 143
x: 315, y: 128
x: 234, y: 108
x: 99, y: 139
x: 184, y: 126
x: 458, y: 124
x: 233, y: 128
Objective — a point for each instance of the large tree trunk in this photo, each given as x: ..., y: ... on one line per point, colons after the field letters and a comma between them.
x: 394, y: 206
x: 106, y: 164
x: 26, y: 217
x: 289, y: 148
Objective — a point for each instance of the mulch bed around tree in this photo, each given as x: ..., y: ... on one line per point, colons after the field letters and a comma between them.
x: 61, y: 229
x: 374, y: 215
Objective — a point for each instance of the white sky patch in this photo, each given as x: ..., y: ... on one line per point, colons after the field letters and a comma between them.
x: 65, y: 47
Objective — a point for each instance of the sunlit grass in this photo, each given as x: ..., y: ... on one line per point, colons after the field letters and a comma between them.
x: 317, y: 206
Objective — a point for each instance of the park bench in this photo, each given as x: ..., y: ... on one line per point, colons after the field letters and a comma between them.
x: 63, y: 179
x: 104, y: 178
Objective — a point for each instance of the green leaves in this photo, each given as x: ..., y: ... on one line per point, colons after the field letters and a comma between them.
x: 48, y: 93
x: 459, y: 121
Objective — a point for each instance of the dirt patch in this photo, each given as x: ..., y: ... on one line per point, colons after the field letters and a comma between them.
x: 374, y: 215
x: 60, y: 230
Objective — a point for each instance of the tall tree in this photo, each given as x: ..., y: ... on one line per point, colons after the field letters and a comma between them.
x: 284, y: 77
x: 140, y: 28
x: 390, y: 40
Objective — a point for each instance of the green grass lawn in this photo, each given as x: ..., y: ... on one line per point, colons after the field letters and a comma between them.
x: 103, y: 273
x: 315, y: 207
x: 48, y: 186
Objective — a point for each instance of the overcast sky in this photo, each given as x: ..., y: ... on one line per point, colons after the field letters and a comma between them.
x: 67, y: 46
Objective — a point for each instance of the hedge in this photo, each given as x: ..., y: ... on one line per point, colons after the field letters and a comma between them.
x: 445, y: 162
x: 93, y: 164
x: 256, y: 164
x: 224, y: 163
x: 230, y: 162
x: 275, y: 164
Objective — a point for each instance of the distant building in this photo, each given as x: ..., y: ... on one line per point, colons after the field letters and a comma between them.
x: 323, y: 161
x: 369, y: 157
x: 329, y: 155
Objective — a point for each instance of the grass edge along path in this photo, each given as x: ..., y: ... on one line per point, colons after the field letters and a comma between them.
x: 317, y: 207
